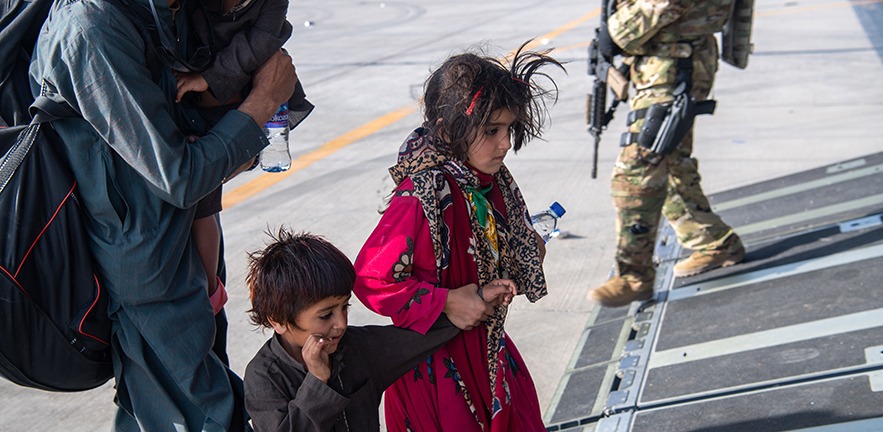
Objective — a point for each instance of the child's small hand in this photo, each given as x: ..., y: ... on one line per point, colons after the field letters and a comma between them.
x: 498, y: 292
x: 188, y: 82
x: 316, y: 357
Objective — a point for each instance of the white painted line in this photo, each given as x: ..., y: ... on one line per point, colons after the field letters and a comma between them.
x: 782, y: 271
x: 868, y: 201
x: 768, y: 338
x: 802, y: 187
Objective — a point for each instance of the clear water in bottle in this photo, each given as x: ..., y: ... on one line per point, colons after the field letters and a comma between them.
x: 275, y: 157
x: 546, y: 222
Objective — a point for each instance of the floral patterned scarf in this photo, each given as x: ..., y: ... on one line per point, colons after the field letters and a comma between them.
x: 518, y: 249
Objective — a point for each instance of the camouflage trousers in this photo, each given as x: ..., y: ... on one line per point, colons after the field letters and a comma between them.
x: 646, y: 185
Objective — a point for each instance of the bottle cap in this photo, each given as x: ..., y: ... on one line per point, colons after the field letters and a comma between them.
x: 557, y: 209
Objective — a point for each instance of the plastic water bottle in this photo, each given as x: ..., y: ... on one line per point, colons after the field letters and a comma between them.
x: 275, y: 157
x: 546, y: 221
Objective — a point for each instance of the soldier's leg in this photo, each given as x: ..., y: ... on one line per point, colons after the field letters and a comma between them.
x: 686, y: 207
x: 697, y: 227
x: 640, y: 176
x: 638, y: 190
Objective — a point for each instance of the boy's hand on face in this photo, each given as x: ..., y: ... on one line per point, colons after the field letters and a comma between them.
x: 316, y: 357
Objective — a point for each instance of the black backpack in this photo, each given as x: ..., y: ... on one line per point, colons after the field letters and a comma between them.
x: 54, y: 328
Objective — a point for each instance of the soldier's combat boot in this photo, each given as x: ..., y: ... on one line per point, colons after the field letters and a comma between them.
x: 619, y: 291
x: 729, y: 253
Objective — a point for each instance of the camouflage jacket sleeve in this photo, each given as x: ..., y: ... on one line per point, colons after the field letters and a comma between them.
x: 637, y: 21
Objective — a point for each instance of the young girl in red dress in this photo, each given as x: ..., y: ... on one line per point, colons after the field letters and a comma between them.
x: 455, y: 225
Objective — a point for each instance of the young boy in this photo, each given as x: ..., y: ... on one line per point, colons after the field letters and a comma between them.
x: 315, y: 373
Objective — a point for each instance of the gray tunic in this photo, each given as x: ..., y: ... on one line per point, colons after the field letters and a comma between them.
x: 138, y: 180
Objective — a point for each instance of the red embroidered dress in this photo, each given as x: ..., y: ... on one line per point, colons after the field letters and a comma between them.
x: 427, y: 242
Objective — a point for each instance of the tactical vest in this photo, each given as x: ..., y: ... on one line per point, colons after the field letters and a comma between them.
x: 690, y: 21
x: 736, y: 38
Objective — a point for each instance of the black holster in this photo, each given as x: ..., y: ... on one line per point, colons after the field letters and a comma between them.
x: 665, y: 126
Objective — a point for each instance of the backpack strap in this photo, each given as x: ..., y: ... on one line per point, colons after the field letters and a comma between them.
x: 45, y: 110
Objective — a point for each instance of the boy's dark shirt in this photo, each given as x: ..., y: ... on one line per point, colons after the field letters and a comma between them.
x: 281, y: 396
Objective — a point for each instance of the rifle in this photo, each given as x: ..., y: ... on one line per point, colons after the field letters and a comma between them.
x: 601, y: 66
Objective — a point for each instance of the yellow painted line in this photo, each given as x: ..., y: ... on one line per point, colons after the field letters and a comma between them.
x: 264, y: 181
x: 253, y: 187
x: 548, y: 37
x: 564, y: 29
x: 581, y: 45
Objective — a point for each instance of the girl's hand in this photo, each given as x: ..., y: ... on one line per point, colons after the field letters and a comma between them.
x: 465, y: 308
x: 469, y: 305
x: 499, y: 292
x: 316, y: 357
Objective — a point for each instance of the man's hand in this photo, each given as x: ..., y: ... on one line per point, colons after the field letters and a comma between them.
x: 316, y: 357
x: 273, y: 85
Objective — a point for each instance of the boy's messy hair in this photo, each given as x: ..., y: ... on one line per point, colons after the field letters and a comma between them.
x: 460, y: 96
x: 292, y: 273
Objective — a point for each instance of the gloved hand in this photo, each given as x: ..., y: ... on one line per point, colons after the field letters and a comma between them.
x: 606, y: 45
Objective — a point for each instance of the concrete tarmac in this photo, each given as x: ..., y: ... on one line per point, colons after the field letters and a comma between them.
x: 810, y: 96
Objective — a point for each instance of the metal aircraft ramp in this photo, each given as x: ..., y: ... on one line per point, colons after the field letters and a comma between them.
x: 791, y: 339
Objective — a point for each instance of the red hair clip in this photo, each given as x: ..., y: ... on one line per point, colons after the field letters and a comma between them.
x: 474, y: 101
x: 518, y: 79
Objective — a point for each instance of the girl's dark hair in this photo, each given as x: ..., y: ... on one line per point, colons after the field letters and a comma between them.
x: 460, y: 96
x: 292, y: 273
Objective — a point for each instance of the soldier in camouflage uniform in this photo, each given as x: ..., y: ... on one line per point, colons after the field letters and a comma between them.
x: 653, y: 35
